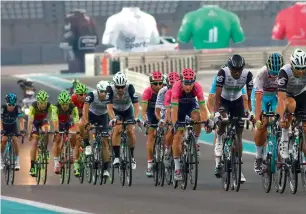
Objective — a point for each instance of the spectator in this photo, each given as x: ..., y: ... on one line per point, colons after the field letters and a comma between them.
x: 210, y: 27
x: 290, y: 23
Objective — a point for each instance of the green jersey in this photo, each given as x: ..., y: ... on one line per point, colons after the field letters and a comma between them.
x: 210, y: 27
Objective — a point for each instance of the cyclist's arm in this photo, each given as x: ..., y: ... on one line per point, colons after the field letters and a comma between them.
x: 1, y: 125
x: 211, y: 96
x: 109, y: 98
x: 282, y: 89
x: 201, y: 101
x: 167, y: 103
x: 249, y: 86
x: 88, y: 100
x: 219, y: 86
x: 75, y: 118
x: 134, y: 98
x: 258, y: 85
x: 54, y: 118
x: 144, y: 103
x: 20, y: 118
x: 31, y: 117
x: 175, y: 101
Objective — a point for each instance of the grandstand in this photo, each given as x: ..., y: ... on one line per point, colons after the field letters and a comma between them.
x: 32, y: 30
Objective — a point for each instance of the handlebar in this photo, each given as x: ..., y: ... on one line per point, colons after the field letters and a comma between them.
x: 127, y: 122
x: 191, y: 122
x: 225, y: 119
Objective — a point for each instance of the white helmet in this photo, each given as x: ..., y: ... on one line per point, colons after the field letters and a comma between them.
x: 102, y: 85
x: 119, y: 79
x: 298, y: 59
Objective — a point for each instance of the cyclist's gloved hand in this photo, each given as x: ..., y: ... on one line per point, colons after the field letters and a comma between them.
x: 161, y: 123
x: 210, y: 124
x: 112, y: 122
x: 259, y: 124
x: 23, y: 132
x: 2, y: 132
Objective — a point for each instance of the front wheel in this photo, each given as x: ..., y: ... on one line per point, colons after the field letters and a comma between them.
x: 236, y: 166
x: 267, y: 175
x: 192, y: 160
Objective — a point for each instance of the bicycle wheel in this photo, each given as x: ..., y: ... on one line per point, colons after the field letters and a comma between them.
x: 7, y: 168
x: 38, y: 166
x: 236, y: 166
x: 174, y: 182
x: 101, y: 167
x: 129, y: 165
x: 111, y: 166
x: 123, y: 163
x: 156, y: 161
x: 282, y: 177
x: 161, y: 165
x: 267, y: 174
x: 44, y: 167
x: 95, y: 163
x: 62, y: 161
x: 82, y: 167
x: 67, y: 163
x: 192, y: 162
x: 88, y: 167
x: 184, y: 170
x: 12, y: 165
x: 168, y: 170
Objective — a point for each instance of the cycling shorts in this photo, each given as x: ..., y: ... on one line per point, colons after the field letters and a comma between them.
x: 264, y: 103
x: 300, y: 101
x: 125, y: 115
x: 65, y: 126
x: 37, y: 124
x: 185, y: 109
x: 151, y: 116
x: 10, y: 128
x: 101, y: 120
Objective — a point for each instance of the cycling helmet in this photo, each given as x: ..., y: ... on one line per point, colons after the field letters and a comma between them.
x: 236, y: 62
x: 102, y: 85
x: 64, y: 97
x: 173, y: 77
x: 188, y: 75
x: 274, y: 63
x: 298, y: 59
x: 11, y: 99
x: 119, y: 79
x: 75, y: 82
x: 42, y: 96
x: 81, y: 89
x: 156, y: 76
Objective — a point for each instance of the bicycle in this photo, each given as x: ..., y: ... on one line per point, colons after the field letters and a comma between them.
x: 9, y: 159
x: 296, y: 157
x: 189, y: 157
x: 125, y: 166
x: 41, y: 163
x: 231, y: 157
x: 65, y: 156
x: 270, y: 150
x: 98, y: 155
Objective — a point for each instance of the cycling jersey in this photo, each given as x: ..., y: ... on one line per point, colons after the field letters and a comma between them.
x: 179, y: 96
x: 231, y: 88
x: 287, y: 82
x: 264, y: 83
x: 65, y: 116
x: 161, y: 98
x: 149, y: 97
x: 167, y: 101
x: 121, y: 102
x: 10, y: 117
x: 37, y: 114
x: 214, y: 86
x: 77, y: 103
x: 97, y: 106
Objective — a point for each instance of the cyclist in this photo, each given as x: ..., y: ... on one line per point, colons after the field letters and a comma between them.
x: 78, y: 99
x: 165, y: 80
x: 74, y: 85
x: 291, y: 95
x: 37, y: 119
x: 230, y: 81
x: 121, y: 97
x: 183, y: 102
x: 265, y: 87
x: 66, y: 117
x: 149, y: 97
x: 95, y: 111
x: 10, y: 113
x: 173, y: 77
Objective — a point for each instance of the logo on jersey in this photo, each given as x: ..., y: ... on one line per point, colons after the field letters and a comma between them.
x: 135, y: 95
x: 251, y: 82
x: 282, y: 81
x: 87, y: 99
x: 220, y: 78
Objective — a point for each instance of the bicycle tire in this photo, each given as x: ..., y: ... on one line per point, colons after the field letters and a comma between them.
x: 267, y: 181
x: 122, y: 165
x: 162, y: 166
x: 282, y: 178
x: 82, y: 170
x: 38, y: 166
x: 155, y: 162
x: 95, y: 164
x: 174, y: 182
x: 129, y: 170
x: 102, y: 179
x: 62, y: 161
x: 293, y: 177
x: 111, y: 166
x: 67, y: 163
x: 236, y: 161
x: 12, y: 165
x: 88, y: 168
x: 44, y: 167
x: 168, y: 170
x: 193, y: 163
x: 303, y: 169
x: 184, y: 171
x: 7, y: 169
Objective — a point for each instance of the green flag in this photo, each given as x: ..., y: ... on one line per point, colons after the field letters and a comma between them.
x: 210, y: 27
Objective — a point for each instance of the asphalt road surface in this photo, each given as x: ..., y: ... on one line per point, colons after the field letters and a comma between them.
x: 142, y: 197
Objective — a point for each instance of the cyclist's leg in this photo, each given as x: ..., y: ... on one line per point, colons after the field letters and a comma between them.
x: 150, y: 142
x: 129, y: 115
x: 34, y: 140
x: 196, y: 116
x: 177, y: 141
x: 283, y: 145
x: 116, y: 134
x: 301, y: 106
x: 219, y: 140
x: 103, y: 120
x: 3, y: 144
x: 76, y: 143
x: 16, y: 149
x: 56, y: 149
x: 236, y: 109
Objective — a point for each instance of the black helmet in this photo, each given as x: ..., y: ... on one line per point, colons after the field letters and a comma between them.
x: 236, y: 62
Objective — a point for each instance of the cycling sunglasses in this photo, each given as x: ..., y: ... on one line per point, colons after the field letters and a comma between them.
x: 81, y: 95
x: 120, y: 87
x: 9, y: 104
x: 157, y: 83
x: 188, y: 82
x: 101, y: 91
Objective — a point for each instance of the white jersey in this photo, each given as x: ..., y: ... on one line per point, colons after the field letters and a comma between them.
x: 131, y: 30
x: 97, y: 106
x: 231, y: 88
x: 160, y: 98
x: 287, y: 82
x: 264, y: 84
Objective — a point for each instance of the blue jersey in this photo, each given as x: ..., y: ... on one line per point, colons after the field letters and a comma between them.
x: 213, y: 87
x: 10, y: 117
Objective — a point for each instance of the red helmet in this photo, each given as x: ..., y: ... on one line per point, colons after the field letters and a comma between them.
x: 156, y: 76
x: 173, y: 77
x: 188, y: 74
